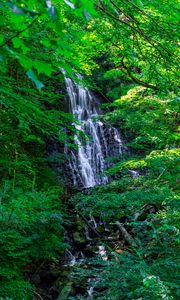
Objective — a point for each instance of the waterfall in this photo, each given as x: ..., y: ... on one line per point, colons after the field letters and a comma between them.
x: 88, y: 162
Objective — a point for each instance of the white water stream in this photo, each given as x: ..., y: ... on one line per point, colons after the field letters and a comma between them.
x: 88, y: 163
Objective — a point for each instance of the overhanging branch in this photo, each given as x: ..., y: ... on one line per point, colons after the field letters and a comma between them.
x: 127, y: 71
x: 18, y: 33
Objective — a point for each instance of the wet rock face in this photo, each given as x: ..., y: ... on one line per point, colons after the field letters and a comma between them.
x: 88, y: 163
x: 84, y: 166
x: 57, y: 161
x: 55, y: 156
x: 87, y: 237
x: 79, y: 238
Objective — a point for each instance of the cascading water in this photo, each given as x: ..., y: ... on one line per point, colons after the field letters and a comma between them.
x: 85, y: 167
x: 88, y: 163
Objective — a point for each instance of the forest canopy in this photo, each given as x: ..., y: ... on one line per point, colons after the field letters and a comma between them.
x: 127, y: 53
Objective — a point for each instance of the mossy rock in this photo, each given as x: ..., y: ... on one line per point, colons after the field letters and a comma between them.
x: 66, y: 290
x: 79, y: 238
x: 80, y: 224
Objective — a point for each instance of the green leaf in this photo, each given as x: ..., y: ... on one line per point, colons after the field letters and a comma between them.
x: 43, y: 67
x: 1, y: 38
x: 17, y: 42
x: 46, y: 43
x: 88, y: 6
x: 34, y: 79
x: 25, y: 62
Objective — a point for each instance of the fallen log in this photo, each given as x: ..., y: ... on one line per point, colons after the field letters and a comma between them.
x: 89, y: 225
x: 127, y: 237
x: 144, y: 210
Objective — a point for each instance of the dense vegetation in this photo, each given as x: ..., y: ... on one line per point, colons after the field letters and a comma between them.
x: 146, y: 204
x: 125, y: 50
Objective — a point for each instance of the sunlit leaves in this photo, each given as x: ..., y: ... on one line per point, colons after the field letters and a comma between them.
x: 43, y: 67
x: 18, y: 43
x: 83, y: 7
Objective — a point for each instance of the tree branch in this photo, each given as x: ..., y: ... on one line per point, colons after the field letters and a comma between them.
x: 127, y: 71
x: 128, y: 238
x: 89, y: 225
x: 18, y: 33
x: 143, y: 13
x: 138, y: 81
x: 137, y: 29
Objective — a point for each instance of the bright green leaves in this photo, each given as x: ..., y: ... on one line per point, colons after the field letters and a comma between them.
x: 148, y: 121
x: 18, y: 43
x: 88, y: 5
x: 40, y: 235
x: 46, y: 43
x: 139, y: 42
x: 131, y: 164
x: 45, y: 36
x: 66, y: 21
x: 34, y: 79
x: 25, y: 62
x: 85, y: 7
x: 43, y: 67
x: 24, y: 32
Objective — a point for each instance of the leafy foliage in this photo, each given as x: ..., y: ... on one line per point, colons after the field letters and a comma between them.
x: 30, y: 230
x: 148, y: 121
x: 30, y: 210
x: 129, y: 43
x: 151, y: 269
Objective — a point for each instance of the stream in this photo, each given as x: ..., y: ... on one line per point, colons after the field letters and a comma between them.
x: 85, y: 237
x: 88, y: 163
